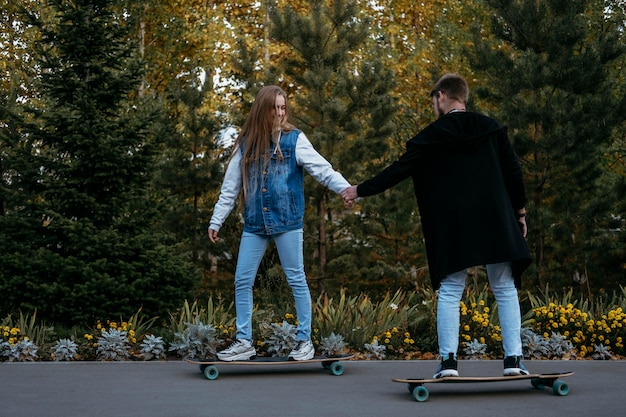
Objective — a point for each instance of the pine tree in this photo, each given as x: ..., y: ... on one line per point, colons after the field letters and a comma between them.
x: 341, y: 101
x: 81, y: 244
x: 189, y: 170
x: 550, y: 72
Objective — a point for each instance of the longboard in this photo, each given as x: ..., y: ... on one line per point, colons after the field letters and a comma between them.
x: 540, y: 381
x: 209, y: 367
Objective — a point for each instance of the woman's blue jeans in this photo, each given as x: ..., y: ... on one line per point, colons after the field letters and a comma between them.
x: 448, y: 311
x: 290, y: 251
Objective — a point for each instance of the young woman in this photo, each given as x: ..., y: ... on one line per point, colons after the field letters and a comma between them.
x: 268, y: 163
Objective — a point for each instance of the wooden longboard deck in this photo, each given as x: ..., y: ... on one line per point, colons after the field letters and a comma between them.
x: 269, y: 360
x: 420, y: 393
x: 209, y: 368
x: 459, y: 379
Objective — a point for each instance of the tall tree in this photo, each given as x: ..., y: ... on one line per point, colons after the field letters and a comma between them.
x: 551, y: 72
x: 189, y: 169
x: 341, y: 99
x: 81, y: 242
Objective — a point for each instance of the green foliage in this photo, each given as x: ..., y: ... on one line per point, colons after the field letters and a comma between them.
x: 27, y: 326
x: 572, y: 319
x: 342, y: 103
x: 78, y: 223
x: 358, y: 319
x: 536, y: 70
x: 108, y: 173
x: 216, y: 314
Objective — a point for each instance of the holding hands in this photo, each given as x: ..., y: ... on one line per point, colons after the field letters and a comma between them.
x: 349, y: 196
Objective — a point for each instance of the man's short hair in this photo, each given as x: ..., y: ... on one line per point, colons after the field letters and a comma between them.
x: 454, y: 86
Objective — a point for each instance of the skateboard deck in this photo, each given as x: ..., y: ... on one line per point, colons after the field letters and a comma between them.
x: 540, y: 381
x: 209, y: 367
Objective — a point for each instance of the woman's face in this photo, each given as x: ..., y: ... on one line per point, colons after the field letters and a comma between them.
x: 279, y: 108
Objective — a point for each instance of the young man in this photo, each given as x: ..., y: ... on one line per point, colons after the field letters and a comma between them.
x: 471, y: 198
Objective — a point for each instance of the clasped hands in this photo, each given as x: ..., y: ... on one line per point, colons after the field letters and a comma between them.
x: 349, y: 196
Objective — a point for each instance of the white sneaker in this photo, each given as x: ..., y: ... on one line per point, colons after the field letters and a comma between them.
x: 303, y: 351
x: 239, y: 350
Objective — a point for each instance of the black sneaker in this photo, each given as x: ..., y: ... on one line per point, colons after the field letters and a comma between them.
x: 447, y: 367
x: 513, y: 366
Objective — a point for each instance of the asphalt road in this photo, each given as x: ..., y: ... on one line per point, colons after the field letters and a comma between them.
x: 178, y: 389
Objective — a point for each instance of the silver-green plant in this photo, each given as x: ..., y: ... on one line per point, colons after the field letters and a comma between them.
x: 280, y: 338
x: 475, y: 350
x: 5, y: 350
x: 196, y: 341
x: 23, y: 351
x: 152, y: 347
x: 533, y: 345
x: 600, y: 352
x: 374, y: 350
x: 559, y: 346
x: 113, y: 345
x: 64, y: 350
x: 333, y: 345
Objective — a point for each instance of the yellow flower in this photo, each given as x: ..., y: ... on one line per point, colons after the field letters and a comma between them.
x: 289, y: 316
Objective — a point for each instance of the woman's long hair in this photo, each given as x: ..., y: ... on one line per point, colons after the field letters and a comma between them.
x: 259, y: 130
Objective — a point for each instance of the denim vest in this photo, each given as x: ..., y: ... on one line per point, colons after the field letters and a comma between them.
x: 275, y: 201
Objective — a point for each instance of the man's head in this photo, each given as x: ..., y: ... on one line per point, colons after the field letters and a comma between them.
x: 450, y: 92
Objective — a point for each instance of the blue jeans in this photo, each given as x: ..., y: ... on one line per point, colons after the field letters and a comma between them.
x: 290, y: 251
x: 448, y: 311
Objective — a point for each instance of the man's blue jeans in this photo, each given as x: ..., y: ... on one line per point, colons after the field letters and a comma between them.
x: 448, y: 312
x: 290, y: 251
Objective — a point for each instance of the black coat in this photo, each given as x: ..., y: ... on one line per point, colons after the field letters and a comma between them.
x: 468, y: 184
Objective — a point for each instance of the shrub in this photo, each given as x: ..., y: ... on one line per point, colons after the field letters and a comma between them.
x: 333, y: 345
x: 358, y: 318
x: 197, y: 341
x: 113, y: 345
x: 280, y: 338
x: 65, y: 350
